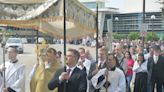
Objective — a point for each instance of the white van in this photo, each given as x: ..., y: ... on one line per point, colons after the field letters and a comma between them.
x: 15, y: 42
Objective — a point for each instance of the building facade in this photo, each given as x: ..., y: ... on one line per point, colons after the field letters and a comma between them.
x: 131, y: 22
x: 126, y: 22
x: 102, y: 12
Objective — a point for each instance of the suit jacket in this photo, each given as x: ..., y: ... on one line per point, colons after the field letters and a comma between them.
x: 76, y: 83
x: 92, y: 68
x: 160, y: 64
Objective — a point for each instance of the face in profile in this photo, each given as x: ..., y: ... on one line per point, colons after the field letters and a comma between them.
x: 51, y: 56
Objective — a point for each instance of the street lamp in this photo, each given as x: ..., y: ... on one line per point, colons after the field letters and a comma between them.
x: 116, y: 20
x: 152, y: 20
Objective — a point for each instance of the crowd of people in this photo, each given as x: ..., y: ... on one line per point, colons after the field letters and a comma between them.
x: 129, y: 67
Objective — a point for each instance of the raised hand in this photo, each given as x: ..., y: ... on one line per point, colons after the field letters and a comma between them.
x: 64, y: 76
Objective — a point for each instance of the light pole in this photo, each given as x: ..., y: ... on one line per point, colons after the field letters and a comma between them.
x: 116, y: 20
x: 152, y: 20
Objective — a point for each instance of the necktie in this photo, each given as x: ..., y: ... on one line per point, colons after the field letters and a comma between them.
x: 69, y: 71
x: 100, y: 66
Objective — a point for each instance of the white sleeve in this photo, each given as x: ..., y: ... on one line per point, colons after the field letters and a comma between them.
x: 136, y: 66
x: 144, y: 66
x: 19, y: 85
x: 122, y: 83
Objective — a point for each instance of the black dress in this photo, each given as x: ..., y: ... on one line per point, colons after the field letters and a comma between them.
x: 140, y: 84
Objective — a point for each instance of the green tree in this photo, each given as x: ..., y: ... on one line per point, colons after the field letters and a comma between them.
x: 119, y: 36
x: 152, y: 36
x: 163, y: 37
x: 133, y: 35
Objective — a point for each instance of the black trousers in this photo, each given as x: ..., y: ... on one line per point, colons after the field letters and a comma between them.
x: 140, y: 84
x: 158, y: 87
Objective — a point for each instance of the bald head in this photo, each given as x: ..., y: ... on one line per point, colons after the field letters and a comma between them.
x: 118, y: 49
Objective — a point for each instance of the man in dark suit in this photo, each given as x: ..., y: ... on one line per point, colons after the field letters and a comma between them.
x: 155, y: 68
x: 70, y: 78
x: 95, y: 66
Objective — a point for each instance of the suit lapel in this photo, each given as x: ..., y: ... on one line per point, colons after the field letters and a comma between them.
x: 104, y: 65
x: 152, y: 61
x: 74, y: 74
x: 159, y: 58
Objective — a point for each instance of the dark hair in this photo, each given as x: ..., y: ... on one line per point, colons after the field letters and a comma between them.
x: 15, y: 49
x: 156, y: 48
x: 82, y: 49
x: 114, y: 57
x: 75, y: 52
x: 141, y: 54
x: 59, y: 53
x: 130, y: 56
x: 51, y: 50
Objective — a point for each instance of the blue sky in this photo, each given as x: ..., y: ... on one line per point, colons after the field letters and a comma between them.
x: 133, y: 5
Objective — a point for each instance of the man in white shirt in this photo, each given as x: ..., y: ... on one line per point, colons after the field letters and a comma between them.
x: 122, y: 64
x: 84, y: 64
x: 155, y: 68
x: 111, y: 78
x: 95, y: 66
x: 14, y: 73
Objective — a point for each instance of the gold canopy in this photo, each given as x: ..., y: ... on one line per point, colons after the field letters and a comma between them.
x: 47, y: 16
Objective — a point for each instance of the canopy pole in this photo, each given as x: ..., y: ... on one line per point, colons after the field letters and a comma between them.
x: 3, y: 46
x: 37, y: 47
x: 143, y: 19
x: 97, y: 31
x: 64, y: 25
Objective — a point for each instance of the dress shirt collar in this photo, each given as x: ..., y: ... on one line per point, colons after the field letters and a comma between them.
x: 113, y: 69
x: 101, y: 62
x: 13, y: 61
x: 72, y: 68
